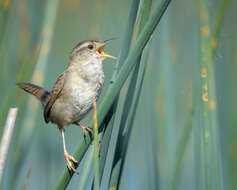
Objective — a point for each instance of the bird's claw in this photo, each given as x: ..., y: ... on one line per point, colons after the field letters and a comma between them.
x: 86, y: 128
x: 70, y: 158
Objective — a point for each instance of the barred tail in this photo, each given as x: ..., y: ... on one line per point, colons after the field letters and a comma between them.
x: 40, y: 93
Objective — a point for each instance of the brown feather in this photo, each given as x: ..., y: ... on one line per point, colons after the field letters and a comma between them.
x: 54, y: 94
x: 40, y: 93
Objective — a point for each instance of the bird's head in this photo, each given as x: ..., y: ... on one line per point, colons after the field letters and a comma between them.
x: 90, y: 50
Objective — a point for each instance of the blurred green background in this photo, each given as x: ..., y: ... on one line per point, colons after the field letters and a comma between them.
x: 164, y: 146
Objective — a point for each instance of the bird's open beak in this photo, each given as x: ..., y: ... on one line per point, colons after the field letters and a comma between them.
x: 102, y: 53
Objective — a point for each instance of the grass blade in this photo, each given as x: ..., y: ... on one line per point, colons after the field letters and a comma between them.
x: 210, y: 134
x: 205, y: 61
x: 181, y: 151
x: 122, y: 144
x: 5, y: 5
x: 129, y: 109
x: 217, y: 26
x: 86, y: 169
x: 109, y: 119
x: 96, y: 150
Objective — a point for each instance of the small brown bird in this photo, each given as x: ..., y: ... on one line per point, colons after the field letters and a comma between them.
x: 72, y: 95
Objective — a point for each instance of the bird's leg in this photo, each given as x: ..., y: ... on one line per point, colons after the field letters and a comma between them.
x: 84, y: 128
x: 68, y: 157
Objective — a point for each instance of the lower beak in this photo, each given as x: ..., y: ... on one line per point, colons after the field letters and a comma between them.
x: 103, y: 54
x: 107, y: 55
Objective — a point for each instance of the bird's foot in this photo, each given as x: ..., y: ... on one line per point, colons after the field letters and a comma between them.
x: 70, y: 158
x: 86, y: 128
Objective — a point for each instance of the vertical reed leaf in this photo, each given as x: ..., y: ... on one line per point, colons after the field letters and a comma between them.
x: 122, y: 144
x: 5, y: 5
x: 209, y: 122
x: 130, y: 104
x: 205, y: 72
x: 6, y: 139
x: 169, y: 98
x: 109, y: 119
x: 181, y: 147
x: 217, y: 26
x: 86, y: 169
x: 214, y: 44
x: 112, y: 93
x: 96, y: 150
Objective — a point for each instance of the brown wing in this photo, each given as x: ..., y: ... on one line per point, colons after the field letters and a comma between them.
x: 54, y: 94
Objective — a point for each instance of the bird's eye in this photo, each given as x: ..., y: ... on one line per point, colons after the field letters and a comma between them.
x: 90, y: 46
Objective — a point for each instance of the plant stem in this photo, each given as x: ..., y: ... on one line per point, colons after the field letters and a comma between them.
x: 183, y: 142
x: 129, y: 106
x: 96, y: 150
x: 86, y: 169
x: 209, y: 122
x: 110, y: 117
x: 6, y: 139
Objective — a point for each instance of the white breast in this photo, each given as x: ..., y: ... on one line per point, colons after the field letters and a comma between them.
x: 77, y: 95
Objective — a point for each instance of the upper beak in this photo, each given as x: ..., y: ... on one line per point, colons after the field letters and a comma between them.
x: 102, y: 53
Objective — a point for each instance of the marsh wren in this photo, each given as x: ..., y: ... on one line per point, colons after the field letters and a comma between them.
x: 72, y: 95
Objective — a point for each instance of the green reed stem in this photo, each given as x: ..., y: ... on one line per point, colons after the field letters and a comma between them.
x: 130, y: 104
x: 110, y: 116
x: 209, y: 121
x: 96, y: 150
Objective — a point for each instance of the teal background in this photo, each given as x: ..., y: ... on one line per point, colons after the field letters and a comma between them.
x: 166, y: 101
